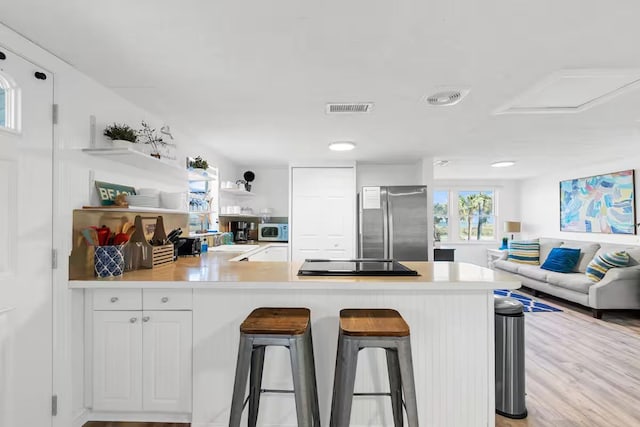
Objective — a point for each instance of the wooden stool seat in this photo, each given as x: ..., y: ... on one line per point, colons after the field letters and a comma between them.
x: 372, y: 322
x: 276, y: 321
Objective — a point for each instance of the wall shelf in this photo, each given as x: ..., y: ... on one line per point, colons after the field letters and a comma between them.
x: 201, y: 175
x: 138, y: 160
x: 238, y: 216
x: 132, y: 209
x: 237, y: 192
x: 201, y: 212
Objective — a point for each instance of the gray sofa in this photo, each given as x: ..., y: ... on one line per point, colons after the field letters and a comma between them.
x: 619, y: 289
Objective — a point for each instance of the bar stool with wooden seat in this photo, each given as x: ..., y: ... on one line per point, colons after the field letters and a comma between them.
x: 378, y: 328
x: 286, y: 327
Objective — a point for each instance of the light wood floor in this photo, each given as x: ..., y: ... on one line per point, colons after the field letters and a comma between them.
x: 581, y: 372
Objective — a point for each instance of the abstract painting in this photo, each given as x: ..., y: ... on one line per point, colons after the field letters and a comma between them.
x: 599, y: 204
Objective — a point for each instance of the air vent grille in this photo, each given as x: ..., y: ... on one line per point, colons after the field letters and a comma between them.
x: 360, y: 107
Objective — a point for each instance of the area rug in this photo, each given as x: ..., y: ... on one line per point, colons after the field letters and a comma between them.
x: 529, y: 304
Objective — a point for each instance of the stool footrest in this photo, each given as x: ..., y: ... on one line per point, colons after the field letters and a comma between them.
x: 270, y: 390
x: 372, y: 394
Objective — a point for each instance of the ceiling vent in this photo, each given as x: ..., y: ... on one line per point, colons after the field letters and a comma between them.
x: 342, y: 107
x: 446, y: 98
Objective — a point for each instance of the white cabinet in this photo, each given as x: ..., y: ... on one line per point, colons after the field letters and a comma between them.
x: 271, y: 253
x: 117, y: 360
x: 141, y: 358
x: 323, y: 212
x: 166, y: 361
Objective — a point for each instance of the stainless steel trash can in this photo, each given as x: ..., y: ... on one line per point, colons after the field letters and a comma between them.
x: 510, y: 375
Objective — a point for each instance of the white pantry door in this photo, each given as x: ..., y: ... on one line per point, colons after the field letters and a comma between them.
x: 26, y: 239
x: 323, y: 212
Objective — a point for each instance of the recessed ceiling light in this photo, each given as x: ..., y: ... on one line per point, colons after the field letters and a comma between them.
x: 341, y: 146
x: 446, y: 97
x: 440, y: 162
x: 503, y: 164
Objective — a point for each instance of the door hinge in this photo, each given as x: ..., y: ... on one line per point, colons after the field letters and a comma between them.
x: 54, y: 258
x: 54, y: 114
x: 54, y: 405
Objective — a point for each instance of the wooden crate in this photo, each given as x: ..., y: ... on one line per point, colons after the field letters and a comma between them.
x: 162, y: 255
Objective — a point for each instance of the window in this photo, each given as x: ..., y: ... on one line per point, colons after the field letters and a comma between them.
x: 8, y: 104
x: 464, y: 215
x: 3, y: 107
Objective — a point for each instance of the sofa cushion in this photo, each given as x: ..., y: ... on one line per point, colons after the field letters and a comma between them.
x: 524, y: 251
x: 533, y: 272
x: 509, y: 266
x: 599, y: 266
x: 546, y: 245
x: 561, y: 260
x: 574, y: 281
x: 587, y: 252
x: 632, y: 251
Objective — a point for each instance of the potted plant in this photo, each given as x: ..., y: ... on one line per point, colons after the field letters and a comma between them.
x: 121, y: 135
x: 149, y: 136
x: 199, y: 163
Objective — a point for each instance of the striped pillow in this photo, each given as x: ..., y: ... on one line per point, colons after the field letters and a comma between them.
x: 524, y: 251
x: 599, y: 266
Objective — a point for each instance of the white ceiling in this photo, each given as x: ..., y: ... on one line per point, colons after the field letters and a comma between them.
x: 253, y: 77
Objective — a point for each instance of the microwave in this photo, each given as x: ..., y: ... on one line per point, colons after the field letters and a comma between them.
x: 273, y: 232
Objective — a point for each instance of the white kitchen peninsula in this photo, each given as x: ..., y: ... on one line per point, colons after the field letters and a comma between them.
x: 449, y: 309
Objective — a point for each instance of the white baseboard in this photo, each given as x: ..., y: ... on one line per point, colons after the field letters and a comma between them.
x: 81, y: 418
x: 150, y: 417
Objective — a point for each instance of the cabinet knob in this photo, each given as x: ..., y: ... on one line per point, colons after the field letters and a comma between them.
x: 114, y: 299
x: 165, y: 299
x: 133, y: 320
x: 145, y: 318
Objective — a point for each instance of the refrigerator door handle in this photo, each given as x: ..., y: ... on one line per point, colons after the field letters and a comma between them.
x: 385, y: 222
x: 390, y: 228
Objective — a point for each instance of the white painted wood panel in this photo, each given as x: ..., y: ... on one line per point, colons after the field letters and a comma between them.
x: 167, y: 361
x: 452, y: 343
x: 117, y: 360
x: 26, y: 162
x: 322, y: 212
x: 167, y: 299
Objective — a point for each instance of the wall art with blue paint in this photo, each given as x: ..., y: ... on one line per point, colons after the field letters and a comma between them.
x: 599, y: 204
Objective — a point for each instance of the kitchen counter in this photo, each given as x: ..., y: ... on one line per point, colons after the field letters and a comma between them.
x: 449, y: 309
x: 215, y: 270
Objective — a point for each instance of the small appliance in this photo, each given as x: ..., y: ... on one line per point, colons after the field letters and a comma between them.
x: 240, y: 230
x: 188, y: 246
x: 273, y: 232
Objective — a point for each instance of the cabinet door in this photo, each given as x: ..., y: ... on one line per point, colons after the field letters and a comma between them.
x: 117, y: 360
x: 323, y: 213
x: 167, y: 361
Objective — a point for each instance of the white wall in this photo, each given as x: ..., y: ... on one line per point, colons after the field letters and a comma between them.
x: 78, y: 97
x: 540, y: 202
x: 271, y: 188
x: 368, y: 174
x: 507, y: 209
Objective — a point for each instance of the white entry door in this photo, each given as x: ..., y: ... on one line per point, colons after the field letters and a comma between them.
x: 323, y: 213
x: 26, y: 145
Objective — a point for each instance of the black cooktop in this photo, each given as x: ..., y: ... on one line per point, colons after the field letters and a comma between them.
x: 354, y: 267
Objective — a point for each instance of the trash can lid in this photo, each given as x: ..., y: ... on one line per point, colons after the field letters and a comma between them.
x: 507, y: 305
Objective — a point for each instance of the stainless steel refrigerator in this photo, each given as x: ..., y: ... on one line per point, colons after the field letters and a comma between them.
x: 393, y: 223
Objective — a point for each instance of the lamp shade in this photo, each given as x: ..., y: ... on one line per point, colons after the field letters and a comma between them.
x: 512, y: 226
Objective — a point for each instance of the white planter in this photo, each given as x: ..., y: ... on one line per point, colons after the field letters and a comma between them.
x: 120, y: 143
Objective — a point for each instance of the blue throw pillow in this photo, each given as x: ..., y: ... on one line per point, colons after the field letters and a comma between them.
x: 562, y: 260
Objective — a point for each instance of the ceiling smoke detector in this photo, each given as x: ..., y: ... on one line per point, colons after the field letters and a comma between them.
x: 446, y: 98
x: 344, y: 107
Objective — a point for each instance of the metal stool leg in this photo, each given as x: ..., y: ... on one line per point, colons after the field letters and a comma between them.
x: 395, y: 386
x: 311, y: 370
x: 255, y: 383
x: 408, y: 382
x: 298, y: 350
x: 240, y: 383
x: 344, y: 383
